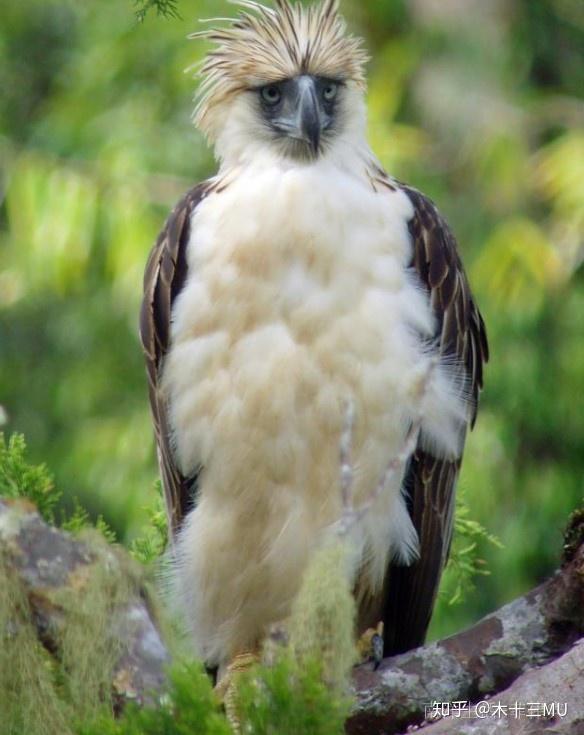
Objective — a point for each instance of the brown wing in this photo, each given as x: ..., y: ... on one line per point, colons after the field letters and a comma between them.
x: 409, y: 592
x: 164, y: 277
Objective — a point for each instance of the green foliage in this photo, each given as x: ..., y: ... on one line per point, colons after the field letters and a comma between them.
x: 166, y: 8
x: 189, y: 708
x: 80, y: 521
x: 150, y: 545
x: 464, y: 564
x: 286, y: 699
x: 19, y: 479
x: 290, y: 698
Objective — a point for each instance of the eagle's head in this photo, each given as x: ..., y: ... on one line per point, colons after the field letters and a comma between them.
x: 287, y: 80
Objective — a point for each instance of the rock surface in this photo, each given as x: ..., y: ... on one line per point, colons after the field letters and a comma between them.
x: 51, y: 563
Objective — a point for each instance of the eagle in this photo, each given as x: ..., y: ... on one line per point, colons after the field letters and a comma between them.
x: 300, y: 279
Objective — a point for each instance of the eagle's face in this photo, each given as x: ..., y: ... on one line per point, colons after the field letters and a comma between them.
x: 285, y: 81
x: 300, y: 115
x: 302, y: 118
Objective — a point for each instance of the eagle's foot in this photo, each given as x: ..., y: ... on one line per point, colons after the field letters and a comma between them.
x: 226, y: 687
x: 370, y: 645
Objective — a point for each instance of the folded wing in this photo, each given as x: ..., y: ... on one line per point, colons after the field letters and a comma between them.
x: 165, y: 275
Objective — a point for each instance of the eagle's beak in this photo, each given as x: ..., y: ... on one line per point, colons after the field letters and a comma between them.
x: 301, y: 113
x: 310, y: 120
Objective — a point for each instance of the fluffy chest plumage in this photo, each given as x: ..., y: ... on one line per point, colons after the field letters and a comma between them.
x: 298, y: 300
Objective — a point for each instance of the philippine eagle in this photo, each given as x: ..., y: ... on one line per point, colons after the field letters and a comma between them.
x: 301, y: 278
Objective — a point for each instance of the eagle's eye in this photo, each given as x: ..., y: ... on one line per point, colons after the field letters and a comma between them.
x: 271, y: 94
x: 330, y: 92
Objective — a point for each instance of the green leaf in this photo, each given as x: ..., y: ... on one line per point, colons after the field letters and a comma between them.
x: 165, y: 8
x: 151, y: 544
x: 19, y: 479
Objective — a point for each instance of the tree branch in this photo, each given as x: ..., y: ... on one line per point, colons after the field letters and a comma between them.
x: 529, y: 632
x: 543, y: 700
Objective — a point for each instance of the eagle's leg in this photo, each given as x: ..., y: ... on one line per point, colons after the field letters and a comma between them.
x: 226, y: 687
x: 370, y: 645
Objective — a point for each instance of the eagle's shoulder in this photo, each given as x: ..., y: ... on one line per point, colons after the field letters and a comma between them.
x: 164, y: 277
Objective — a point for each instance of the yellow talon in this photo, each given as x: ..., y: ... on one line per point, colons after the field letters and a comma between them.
x: 370, y: 645
x: 226, y: 687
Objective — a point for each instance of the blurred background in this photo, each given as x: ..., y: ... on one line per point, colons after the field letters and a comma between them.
x: 479, y: 103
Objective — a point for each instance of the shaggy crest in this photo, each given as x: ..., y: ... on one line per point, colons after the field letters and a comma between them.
x: 263, y: 45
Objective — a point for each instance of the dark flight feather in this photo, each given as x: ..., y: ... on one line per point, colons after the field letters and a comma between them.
x: 165, y: 275
x: 407, y: 599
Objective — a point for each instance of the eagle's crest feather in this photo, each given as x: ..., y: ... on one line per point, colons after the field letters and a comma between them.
x: 263, y: 45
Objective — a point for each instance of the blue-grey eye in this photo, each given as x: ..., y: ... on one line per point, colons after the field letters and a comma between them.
x: 271, y: 94
x: 330, y: 91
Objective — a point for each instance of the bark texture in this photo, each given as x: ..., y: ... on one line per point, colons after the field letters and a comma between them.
x: 543, y: 700
x: 525, y: 635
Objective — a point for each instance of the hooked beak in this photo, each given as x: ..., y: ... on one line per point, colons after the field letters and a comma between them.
x: 301, y: 114
x: 309, y: 122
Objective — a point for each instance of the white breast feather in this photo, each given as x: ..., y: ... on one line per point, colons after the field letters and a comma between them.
x: 297, y: 301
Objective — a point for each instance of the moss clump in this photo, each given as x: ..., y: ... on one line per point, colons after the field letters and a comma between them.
x: 28, y: 700
x: 88, y: 647
x: 47, y: 693
x: 322, y: 624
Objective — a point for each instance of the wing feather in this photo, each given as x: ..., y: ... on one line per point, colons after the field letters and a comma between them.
x: 165, y: 275
x: 409, y: 593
